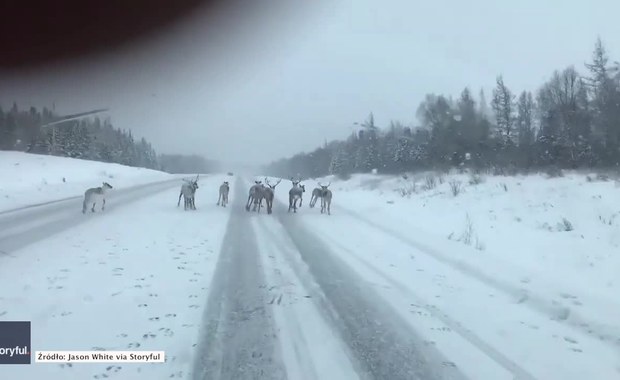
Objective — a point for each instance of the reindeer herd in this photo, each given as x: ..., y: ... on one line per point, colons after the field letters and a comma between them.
x: 265, y: 191
x: 260, y: 192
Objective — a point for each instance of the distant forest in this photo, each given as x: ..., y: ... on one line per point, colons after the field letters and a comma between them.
x: 572, y: 121
x: 89, y: 139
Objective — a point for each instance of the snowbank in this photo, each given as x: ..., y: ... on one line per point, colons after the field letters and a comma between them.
x: 554, y: 238
x: 27, y: 179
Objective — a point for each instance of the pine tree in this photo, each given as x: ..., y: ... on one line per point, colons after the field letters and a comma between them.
x: 605, y: 103
x: 503, y: 108
x: 525, y: 119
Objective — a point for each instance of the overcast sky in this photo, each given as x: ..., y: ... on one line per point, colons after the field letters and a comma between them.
x: 292, y: 78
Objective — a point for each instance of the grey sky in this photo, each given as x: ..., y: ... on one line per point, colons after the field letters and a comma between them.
x: 317, y: 69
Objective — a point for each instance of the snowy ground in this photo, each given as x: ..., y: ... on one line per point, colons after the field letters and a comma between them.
x: 513, y: 276
x: 27, y: 179
x: 131, y: 278
x: 391, y: 286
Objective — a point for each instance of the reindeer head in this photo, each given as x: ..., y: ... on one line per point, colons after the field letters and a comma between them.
x: 296, y: 182
x: 107, y: 185
x: 192, y: 183
x: 272, y: 187
x: 226, y: 183
x: 303, y: 188
x: 324, y: 187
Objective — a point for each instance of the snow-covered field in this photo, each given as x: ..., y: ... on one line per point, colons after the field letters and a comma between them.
x: 27, y: 179
x: 565, y: 229
x: 547, y: 245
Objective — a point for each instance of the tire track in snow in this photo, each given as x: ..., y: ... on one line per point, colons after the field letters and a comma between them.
x: 564, y: 314
x: 519, y: 372
x: 382, y: 343
x: 313, y: 350
x: 238, y: 339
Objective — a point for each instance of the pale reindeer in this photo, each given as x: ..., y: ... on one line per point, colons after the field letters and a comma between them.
x: 223, y: 197
x: 260, y: 195
x: 255, y: 196
x: 316, y: 194
x: 188, y: 192
x: 269, y: 194
x: 93, y: 195
x: 294, y: 194
x: 326, y: 198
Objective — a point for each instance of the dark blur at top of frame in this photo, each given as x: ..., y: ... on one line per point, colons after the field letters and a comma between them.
x: 36, y: 33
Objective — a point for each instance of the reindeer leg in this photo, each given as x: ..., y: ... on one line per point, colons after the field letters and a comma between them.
x: 256, y: 203
x: 93, y: 209
x: 103, y: 205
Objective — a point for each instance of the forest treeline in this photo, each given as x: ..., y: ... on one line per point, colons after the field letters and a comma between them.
x: 89, y: 139
x: 571, y: 121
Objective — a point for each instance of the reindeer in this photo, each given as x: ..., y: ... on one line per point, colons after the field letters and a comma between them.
x: 261, y: 194
x: 254, y: 195
x: 188, y: 192
x: 316, y: 194
x: 295, y: 193
x: 269, y: 194
x: 223, y: 198
x: 326, y: 198
x: 94, y: 194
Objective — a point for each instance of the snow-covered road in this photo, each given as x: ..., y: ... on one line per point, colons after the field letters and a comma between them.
x: 235, y: 295
x: 263, y: 254
x: 24, y: 225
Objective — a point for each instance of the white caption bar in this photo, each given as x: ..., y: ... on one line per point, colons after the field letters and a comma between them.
x: 100, y: 356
